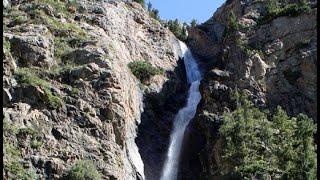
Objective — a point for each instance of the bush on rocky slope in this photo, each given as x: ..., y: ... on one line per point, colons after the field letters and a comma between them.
x: 143, y: 70
x: 26, y: 76
x: 84, y: 170
x: 278, y: 147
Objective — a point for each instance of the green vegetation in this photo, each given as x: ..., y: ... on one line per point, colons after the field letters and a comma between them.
x: 279, y: 147
x: 140, y: 2
x: 193, y: 23
x: 26, y: 76
x: 64, y: 32
x: 17, y: 20
x: 27, y: 132
x: 143, y: 70
x: 12, y: 154
x: 36, y: 144
x: 75, y: 91
x: 61, y: 48
x: 84, y: 170
x: 178, y: 29
x: 233, y: 23
x: 154, y: 13
x: 6, y: 44
x: 291, y: 10
x: 62, y: 7
x: 232, y: 26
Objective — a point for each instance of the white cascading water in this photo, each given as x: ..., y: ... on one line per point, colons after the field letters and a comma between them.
x: 183, y: 117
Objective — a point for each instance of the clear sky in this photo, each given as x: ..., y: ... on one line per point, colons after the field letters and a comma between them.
x: 186, y: 10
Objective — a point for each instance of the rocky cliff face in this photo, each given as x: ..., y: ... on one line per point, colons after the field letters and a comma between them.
x: 269, y: 57
x: 68, y: 93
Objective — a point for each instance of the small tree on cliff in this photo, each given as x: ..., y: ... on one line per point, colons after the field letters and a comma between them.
x: 140, y: 2
x: 193, y: 23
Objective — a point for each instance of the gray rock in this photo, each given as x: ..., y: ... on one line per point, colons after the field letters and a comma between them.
x: 33, y: 49
x: 6, y: 4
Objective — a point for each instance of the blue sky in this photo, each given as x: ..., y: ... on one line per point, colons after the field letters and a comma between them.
x: 186, y: 10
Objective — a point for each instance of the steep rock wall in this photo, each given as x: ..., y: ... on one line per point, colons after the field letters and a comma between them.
x: 83, y: 103
x: 273, y: 62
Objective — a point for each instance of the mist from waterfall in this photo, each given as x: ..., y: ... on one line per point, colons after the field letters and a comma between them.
x: 182, y: 119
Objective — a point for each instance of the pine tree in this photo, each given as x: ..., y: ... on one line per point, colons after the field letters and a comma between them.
x: 193, y: 23
x: 149, y: 6
x: 140, y: 2
x: 282, y: 147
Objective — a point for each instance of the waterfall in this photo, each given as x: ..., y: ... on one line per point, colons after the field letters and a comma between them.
x: 183, y: 117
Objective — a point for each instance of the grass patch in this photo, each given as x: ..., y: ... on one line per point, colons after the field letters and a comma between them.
x: 17, y: 20
x: 61, y: 48
x: 26, y: 76
x: 27, y: 132
x: 62, y: 7
x: 83, y: 170
x: 144, y: 70
x: 63, y: 29
x: 36, y: 144
x: 12, y: 154
x: 75, y: 91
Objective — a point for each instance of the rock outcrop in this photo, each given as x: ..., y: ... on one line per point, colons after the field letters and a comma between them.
x: 269, y: 57
x: 68, y: 88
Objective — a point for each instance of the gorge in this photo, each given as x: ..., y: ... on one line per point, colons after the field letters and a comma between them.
x: 184, y: 115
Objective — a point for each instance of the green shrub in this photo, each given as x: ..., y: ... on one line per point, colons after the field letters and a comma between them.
x: 193, y: 23
x: 233, y: 23
x: 36, y: 144
x: 27, y: 132
x: 154, y: 13
x: 140, y: 2
x: 26, y: 76
x: 61, y: 48
x: 84, y: 170
x: 144, y: 70
x: 178, y: 29
x: 18, y: 172
x: 279, y: 146
x: 75, y: 91
x: 291, y: 10
x: 59, y: 6
x: 19, y: 20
